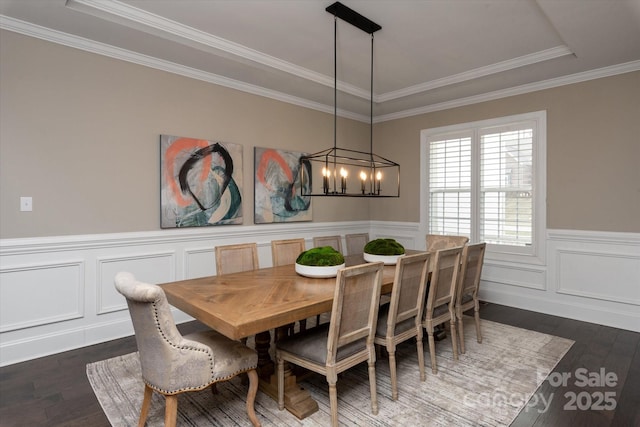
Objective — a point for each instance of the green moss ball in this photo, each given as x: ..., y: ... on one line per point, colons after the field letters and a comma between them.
x: 322, y: 256
x: 384, y: 247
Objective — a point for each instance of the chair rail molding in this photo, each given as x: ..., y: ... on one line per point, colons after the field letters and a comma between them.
x: 589, y: 276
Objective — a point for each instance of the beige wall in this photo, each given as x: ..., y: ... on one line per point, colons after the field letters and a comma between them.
x: 593, y: 152
x: 79, y: 133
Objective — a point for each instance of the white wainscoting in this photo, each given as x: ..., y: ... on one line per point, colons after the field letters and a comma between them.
x: 590, y: 276
x: 56, y: 293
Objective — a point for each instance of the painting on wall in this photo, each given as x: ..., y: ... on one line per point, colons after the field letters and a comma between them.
x: 277, y: 187
x: 201, y: 182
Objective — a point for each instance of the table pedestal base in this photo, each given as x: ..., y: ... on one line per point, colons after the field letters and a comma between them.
x: 297, y: 400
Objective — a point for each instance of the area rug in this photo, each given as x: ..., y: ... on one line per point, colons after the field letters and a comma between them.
x: 489, y: 385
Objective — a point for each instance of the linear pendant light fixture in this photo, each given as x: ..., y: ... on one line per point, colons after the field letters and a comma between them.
x: 345, y: 172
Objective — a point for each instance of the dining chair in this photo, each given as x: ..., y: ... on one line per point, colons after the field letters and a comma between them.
x: 401, y: 319
x: 467, y: 295
x: 437, y: 241
x: 441, y: 298
x: 334, y: 241
x: 236, y: 258
x: 356, y: 242
x: 171, y: 363
x: 346, y: 341
x: 286, y: 251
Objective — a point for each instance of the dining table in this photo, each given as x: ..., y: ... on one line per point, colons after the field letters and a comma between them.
x: 252, y: 303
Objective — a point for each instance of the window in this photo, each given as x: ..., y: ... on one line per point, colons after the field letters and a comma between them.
x: 486, y: 180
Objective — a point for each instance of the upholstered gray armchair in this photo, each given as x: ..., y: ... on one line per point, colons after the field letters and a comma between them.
x: 173, y: 364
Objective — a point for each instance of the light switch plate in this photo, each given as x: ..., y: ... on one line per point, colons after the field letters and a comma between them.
x: 26, y: 204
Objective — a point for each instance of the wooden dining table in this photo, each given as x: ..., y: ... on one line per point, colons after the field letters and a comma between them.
x: 241, y: 305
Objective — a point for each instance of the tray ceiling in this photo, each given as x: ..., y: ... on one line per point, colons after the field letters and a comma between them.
x: 429, y: 55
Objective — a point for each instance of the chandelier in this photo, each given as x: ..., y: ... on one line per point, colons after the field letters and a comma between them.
x: 342, y: 171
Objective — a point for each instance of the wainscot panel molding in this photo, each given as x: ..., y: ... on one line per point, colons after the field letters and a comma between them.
x: 57, y: 294
x: 154, y: 267
x: 40, y: 281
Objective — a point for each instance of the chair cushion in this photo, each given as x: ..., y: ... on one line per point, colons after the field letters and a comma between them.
x: 466, y: 298
x: 312, y: 345
x: 229, y: 357
x: 383, y: 316
x: 440, y: 310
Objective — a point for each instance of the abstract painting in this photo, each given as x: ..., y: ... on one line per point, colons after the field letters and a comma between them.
x: 277, y: 187
x: 201, y: 182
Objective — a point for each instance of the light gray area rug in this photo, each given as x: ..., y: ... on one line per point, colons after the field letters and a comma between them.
x: 489, y: 385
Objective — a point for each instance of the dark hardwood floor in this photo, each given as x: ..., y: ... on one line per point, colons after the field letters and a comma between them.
x: 54, y: 390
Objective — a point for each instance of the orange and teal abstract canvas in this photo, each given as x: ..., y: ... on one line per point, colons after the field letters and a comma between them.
x: 201, y: 182
x: 278, y: 197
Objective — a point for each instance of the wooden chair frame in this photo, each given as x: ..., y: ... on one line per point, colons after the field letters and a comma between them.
x: 334, y: 241
x: 441, y: 298
x: 467, y: 295
x: 236, y: 258
x: 353, y: 319
x: 404, y: 315
x: 286, y: 251
x: 355, y: 242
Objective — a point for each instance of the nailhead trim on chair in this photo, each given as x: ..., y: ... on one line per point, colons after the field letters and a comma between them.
x: 165, y: 392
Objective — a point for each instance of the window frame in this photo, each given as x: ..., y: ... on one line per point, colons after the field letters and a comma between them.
x: 533, y: 254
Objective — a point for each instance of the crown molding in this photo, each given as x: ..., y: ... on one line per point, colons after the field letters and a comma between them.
x: 147, y: 22
x: 54, y: 36
x: 499, y: 67
x: 58, y: 37
x: 518, y: 90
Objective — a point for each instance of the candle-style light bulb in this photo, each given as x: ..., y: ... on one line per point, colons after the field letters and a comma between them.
x: 378, y: 179
x: 325, y: 180
x: 363, y: 178
x: 343, y: 179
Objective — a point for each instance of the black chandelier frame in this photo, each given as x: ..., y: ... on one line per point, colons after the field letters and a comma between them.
x: 335, y: 159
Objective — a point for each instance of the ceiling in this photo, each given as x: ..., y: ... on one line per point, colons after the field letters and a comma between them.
x: 429, y: 54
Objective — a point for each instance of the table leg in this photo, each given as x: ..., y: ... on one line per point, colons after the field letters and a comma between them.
x: 265, y: 364
x: 297, y: 400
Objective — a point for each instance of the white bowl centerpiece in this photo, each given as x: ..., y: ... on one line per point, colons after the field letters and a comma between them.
x: 319, y: 262
x: 385, y: 250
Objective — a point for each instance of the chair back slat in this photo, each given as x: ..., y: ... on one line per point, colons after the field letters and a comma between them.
x: 409, y: 288
x: 442, y: 287
x: 284, y: 252
x: 356, y: 243
x: 472, y: 260
x: 334, y: 241
x: 236, y: 258
x: 355, y: 307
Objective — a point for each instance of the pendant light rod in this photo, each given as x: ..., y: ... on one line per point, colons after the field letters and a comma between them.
x: 371, y: 105
x: 335, y: 80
